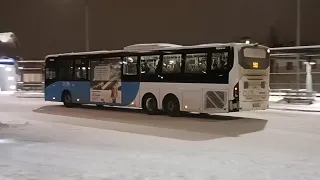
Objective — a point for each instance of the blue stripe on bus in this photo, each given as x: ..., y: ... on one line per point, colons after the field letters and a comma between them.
x: 129, y: 91
x: 81, y: 91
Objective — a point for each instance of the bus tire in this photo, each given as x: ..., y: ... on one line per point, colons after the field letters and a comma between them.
x: 67, y: 99
x: 99, y: 106
x: 150, y: 104
x: 171, y: 105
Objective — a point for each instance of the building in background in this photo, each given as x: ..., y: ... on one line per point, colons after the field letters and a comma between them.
x: 284, y: 74
x: 16, y: 73
x: 31, y: 74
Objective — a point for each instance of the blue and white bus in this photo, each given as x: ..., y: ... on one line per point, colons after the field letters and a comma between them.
x: 7, y: 74
x: 209, y: 78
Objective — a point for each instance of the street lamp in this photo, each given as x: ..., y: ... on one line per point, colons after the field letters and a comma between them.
x: 87, y: 25
x: 6, y: 37
x: 298, y: 39
x: 298, y: 28
x: 9, y: 44
x: 309, y: 64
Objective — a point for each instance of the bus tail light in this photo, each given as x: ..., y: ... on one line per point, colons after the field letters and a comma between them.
x: 236, y: 91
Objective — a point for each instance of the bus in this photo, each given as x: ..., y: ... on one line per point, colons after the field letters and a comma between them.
x: 7, y: 74
x: 207, y: 78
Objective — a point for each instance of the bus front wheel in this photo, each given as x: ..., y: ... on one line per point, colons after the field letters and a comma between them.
x: 150, y: 104
x: 67, y: 99
x: 171, y: 106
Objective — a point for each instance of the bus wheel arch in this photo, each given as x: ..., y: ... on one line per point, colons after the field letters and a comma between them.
x: 150, y: 104
x: 171, y: 105
x: 66, y: 98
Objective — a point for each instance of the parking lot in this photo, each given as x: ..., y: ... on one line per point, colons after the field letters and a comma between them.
x: 40, y: 140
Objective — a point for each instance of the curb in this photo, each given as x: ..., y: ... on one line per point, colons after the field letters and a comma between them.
x: 299, y: 110
x: 29, y: 95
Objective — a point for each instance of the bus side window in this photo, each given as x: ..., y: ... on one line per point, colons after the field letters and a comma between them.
x: 130, y: 65
x: 171, y: 63
x: 219, y: 61
x: 50, y: 69
x: 149, y: 64
x: 81, y: 69
x: 65, y: 69
x: 50, y: 74
x: 196, y: 63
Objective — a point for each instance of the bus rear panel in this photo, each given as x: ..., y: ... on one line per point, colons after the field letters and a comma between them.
x: 254, y: 82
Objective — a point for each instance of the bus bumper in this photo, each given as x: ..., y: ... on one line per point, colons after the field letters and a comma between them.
x: 254, y: 105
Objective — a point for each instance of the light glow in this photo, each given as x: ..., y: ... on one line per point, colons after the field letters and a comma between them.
x: 8, y: 69
x: 12, y: 87
x: 5, y: 37
x: 9, y: 60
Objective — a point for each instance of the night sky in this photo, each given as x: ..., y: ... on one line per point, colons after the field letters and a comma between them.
x: 55, y: 26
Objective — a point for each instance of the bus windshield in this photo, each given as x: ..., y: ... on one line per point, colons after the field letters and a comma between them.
x: 254, y: 58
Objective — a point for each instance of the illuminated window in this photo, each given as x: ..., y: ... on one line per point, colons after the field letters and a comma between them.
x: 196, y: 63
x: 172, y: 63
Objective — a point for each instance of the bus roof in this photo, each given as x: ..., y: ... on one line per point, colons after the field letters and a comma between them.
x: 149, y: 47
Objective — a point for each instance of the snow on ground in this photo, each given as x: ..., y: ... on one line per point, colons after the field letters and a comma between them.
x: 275, y: 98
x: 275, y: 102
x: 48, y: 142
x: 6, y: 92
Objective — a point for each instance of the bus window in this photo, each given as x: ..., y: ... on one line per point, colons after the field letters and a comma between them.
x: 81, y: 69
x: 50, y: 70
x: 81, y: 73
x: 65, y: 69
x: 171, y: 63
x: 50, y: 74
x: 149, y: 64
x: 196, y: 63
x: 254, y: 53
x: 219, y: 61
x: 130, y: 65
x: 254, y: 58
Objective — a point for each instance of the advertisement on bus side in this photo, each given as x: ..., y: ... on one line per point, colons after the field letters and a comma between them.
x: 106, y: 81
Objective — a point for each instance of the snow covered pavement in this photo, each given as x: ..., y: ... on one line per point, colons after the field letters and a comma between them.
x: 276, y: 104
x: 45, y: 141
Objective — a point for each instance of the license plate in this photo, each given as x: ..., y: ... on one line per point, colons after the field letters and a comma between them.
x: 255, y: 105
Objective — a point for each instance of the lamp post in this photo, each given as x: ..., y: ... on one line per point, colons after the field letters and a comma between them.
x: 309, y: 64
x: 298, y: 29
x: 5, y: 37
x: 86, y: 11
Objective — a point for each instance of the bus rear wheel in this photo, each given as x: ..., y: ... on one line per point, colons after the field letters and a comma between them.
x: 67, y: 99
x: 171, y: 106
x: 150, y: 104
